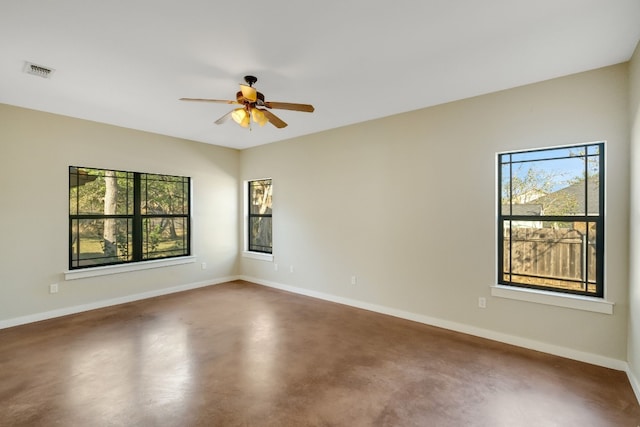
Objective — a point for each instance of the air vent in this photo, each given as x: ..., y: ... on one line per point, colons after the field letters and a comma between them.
x: 38, y: 70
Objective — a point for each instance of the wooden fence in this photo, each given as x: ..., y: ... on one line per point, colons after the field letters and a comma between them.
x: 562, y: 254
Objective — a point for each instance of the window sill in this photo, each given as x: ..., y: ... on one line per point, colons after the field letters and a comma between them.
x: 257, y: 255
x: 576, y: 302
x: 124, y: 268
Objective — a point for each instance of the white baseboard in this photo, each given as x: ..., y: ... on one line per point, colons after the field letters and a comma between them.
x: 568, y: 353
x: 635, y: 385
x: 16, y: 321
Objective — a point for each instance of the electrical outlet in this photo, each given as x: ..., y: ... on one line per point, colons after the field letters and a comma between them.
x: 204, y: 265
x: 482, y: 302
x: 354, y: 280
x: 275, y: 267
x: 291, y: 268
x: 53, y: 288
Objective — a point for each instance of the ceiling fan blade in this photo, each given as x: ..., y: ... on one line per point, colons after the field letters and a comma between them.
x: 289, y: 106
x: 249, y: 93
x: 273, y: 119
x: 221, y: 101
x: 224, y: 118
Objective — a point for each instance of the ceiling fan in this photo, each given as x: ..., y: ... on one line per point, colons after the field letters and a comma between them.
x: 253, y: 106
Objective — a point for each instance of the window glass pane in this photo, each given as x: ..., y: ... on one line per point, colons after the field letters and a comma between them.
x: 555, y: 187
x: 164, y: 237
x: 551, y: 254
x: 593, y: 185
x: 260, y: 234
x: 552, y: 185
x: 506, y: 254
x: 100, y: 192
x: 162, y: 194
x: 100, y: 241
x: 505, y: 189
x: 591, y: 270
x: 260, y: 193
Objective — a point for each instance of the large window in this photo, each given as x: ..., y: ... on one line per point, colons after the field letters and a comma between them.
x: 118, y: 217
x: 551, y: 219
x: 259, y: 216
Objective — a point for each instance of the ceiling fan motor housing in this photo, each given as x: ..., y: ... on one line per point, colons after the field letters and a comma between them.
x: 250, y: 80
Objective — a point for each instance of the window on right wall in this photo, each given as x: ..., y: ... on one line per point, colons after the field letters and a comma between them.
x: 551, y: 219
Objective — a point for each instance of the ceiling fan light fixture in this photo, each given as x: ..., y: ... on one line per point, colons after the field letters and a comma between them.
x: 241, y: 117
x: 258, y: 116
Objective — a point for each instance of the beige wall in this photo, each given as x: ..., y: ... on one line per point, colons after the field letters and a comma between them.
x: 634, y: 228
x: 407, y: 204
x: 36, y: 150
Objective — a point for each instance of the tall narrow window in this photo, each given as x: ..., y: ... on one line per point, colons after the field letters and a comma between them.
x: 259, y: 216
x: 117, y: 217
x: 551, y: 219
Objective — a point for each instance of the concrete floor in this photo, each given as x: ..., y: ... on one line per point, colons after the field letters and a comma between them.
x: 239, y: 354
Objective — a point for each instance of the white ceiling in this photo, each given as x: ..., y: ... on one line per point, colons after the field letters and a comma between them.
x: 127, y: 62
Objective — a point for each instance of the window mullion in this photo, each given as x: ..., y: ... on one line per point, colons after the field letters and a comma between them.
x: 137, y: 218
x: 510, y: 221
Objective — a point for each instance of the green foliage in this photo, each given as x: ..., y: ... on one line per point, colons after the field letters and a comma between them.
x: 154, y: 237
x: 89, y: 197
